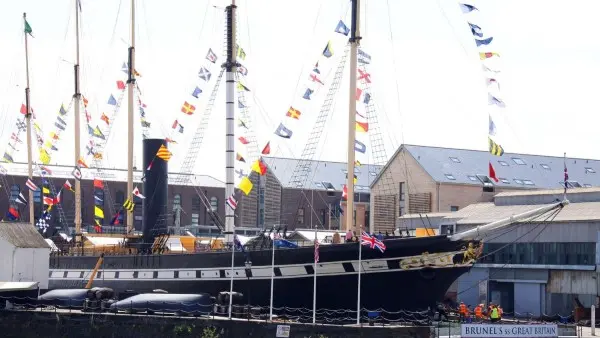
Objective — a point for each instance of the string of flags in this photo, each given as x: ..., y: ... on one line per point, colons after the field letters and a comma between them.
x: 192, y: 102
x: 49, y: 145
x: 483, y: 41
x: 310, y: 88
x: 16, y: 137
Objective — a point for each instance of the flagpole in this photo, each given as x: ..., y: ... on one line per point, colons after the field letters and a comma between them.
x: 359, y: 269
x: 566, y: 175
x: 230, y: 66
x: 315, y: 281
x: 354, y: 41
x: 272, y: 277
x: 28, y: 121
x: 77, y: 97
x: 130, y: 131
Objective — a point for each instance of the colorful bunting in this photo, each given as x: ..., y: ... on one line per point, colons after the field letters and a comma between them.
x: 491, y: 82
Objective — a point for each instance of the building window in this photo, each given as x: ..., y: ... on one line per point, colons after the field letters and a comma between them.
x: 120, y: 197
x: 402, y: 192
x: 472, y: 178
x: 453, y: 208
x: 528, y: 182
x: 590, y: 170
x: 518, y: 181
x: 37, y: 195
x: 504, y: 180
x: 545, y: 166
x: 300, y: 217
x: 15, y: 190
x: 328, y: 186
x: 455, y: 159
x: 196, y: 207
x: 503, y: 163
x: 214, y: 204
x: 176, y: 201
x: 540, y: 253
x: 518, y: 161
x: 570, y: 184
x: 450, y: 177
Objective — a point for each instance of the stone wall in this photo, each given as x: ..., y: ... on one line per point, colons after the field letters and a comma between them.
x: 47, y: 324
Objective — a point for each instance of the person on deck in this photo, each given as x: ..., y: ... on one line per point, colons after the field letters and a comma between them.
x: 462, y: 311
x: 495, y: 314
x: 479, y: 312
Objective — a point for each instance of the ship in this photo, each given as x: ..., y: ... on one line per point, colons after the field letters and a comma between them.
x: 412, y: 273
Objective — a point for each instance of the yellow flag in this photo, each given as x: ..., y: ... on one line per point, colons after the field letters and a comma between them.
x: 98, y: 213
x: 45, y: 190
x: 44, y: 156
x: 246, y: 185
x: 164, y: 153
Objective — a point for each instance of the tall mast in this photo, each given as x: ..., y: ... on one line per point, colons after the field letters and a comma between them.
x: 77, y: 97
x: 230, y: 66
x: 28, y: 121
x: 354, y: 42
x: 130, y: 85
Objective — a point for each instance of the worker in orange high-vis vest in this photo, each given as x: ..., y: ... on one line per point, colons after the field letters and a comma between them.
x: 462, y: 310
x: 479, y: 312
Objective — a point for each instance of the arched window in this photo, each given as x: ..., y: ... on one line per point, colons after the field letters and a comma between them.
x: 176, y: 201
x: 120, y: 197
x: 15, y: 190
x: 214, y: 204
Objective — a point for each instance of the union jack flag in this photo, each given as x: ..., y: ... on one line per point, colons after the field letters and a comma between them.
x: 372, y: 241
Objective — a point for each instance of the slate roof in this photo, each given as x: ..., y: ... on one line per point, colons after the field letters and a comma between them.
x: 514, y: 170
x: 116, y: 175
x: 321, y: 173
x: 22, y: 235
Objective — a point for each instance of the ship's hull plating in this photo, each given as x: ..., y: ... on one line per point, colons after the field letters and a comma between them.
x: 402, y: 278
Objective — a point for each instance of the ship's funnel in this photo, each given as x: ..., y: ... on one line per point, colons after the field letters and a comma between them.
x: 155, y: 191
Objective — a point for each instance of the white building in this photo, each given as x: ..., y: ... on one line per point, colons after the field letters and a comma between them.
x: 24, y: 254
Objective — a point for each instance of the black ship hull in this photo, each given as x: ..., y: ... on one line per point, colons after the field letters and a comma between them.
x: 412, y: 274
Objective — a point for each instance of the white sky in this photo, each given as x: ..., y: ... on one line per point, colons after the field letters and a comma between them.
x: 427, y: 78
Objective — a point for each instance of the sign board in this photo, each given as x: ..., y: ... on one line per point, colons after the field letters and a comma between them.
x: 283, y: 331
x: 502, y: 330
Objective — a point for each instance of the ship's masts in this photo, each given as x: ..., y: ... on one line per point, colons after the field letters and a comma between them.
x: 77, y: 97
x: 130, y: 87
x: 354, y: 42
x: 230, y: 67
x: 28, y: 122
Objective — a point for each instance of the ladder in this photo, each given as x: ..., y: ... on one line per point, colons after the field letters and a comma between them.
x: 303, y: 167
x: 189, y: 161
x: 383, y: 198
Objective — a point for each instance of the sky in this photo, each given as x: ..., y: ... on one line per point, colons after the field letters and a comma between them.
x: 427, y: 82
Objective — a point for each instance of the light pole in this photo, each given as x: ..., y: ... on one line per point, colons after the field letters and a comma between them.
x: 248, y: 264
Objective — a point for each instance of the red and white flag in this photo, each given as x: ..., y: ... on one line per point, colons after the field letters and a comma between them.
x: 31, y: 185
x: 68, y: 185
x: 136, y: 192
x: 231, y: 202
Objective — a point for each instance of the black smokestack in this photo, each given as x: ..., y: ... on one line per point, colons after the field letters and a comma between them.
x: 155, y: 190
